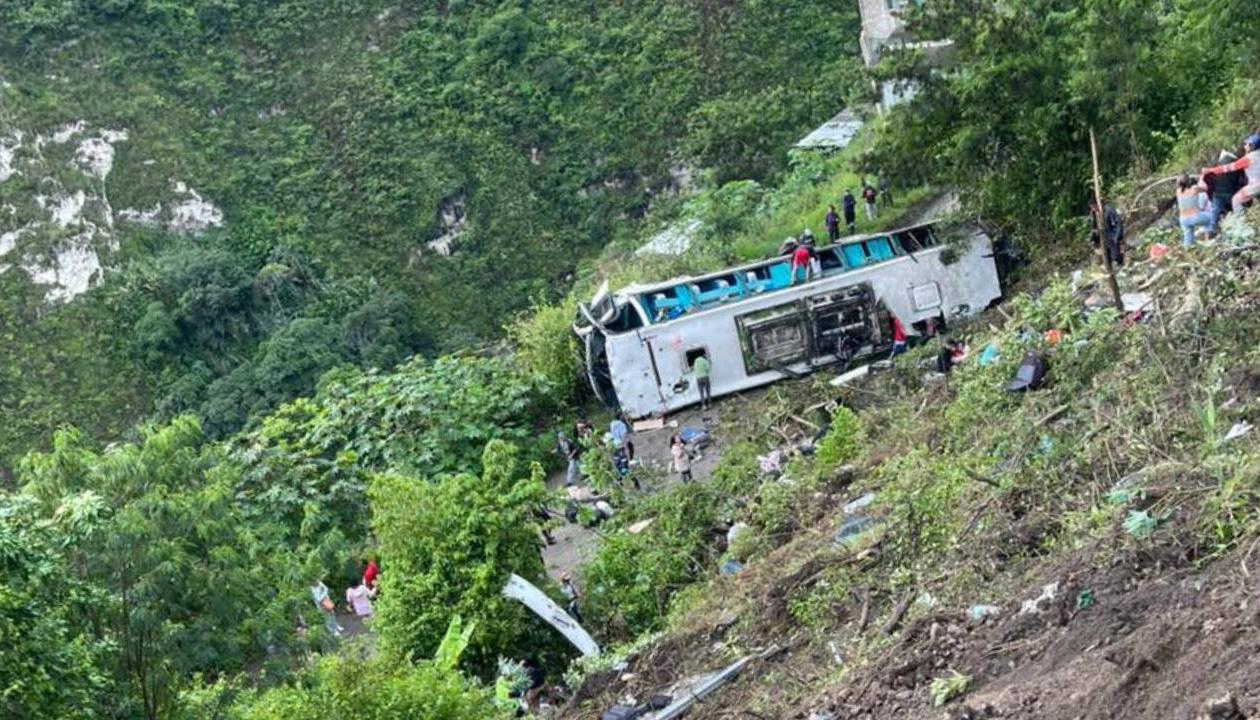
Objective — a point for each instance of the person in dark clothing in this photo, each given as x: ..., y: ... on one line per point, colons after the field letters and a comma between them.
x: 945, y: 358
x: 544, y: 518
x: 1112, y: 234
x: 833, y: 224
x: 1223, y: 187
x: 885, y: 191
x: 869, y: 196
x: 849, y: 203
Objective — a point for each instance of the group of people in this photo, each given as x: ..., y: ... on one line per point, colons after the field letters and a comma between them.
x: 871, y: 198
x: 1201, y: 203
x: 803, y: 249
x: 360, y: 592
x: 1226, y: 187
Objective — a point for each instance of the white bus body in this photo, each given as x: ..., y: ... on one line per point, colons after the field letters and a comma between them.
x: 756, y: 327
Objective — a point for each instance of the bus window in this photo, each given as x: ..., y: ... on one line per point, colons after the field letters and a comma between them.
x: 879, y: 249
x: 830, y: 260
x: 854, y: 255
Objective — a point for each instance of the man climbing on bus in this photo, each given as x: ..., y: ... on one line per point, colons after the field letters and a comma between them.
x: 701, y: 369
x: 800, y: 264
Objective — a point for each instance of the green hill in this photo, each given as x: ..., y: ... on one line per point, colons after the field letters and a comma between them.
x: 240, y: 196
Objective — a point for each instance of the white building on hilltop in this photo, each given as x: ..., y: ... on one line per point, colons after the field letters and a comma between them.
x: 883, y: 28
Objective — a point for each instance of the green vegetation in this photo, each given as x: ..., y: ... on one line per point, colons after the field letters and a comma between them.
x: 229, y: 416
x: 334, y: 136
x: 450, y: 546
x: 1009, y: 125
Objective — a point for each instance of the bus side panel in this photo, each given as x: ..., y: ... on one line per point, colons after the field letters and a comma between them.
x: 970, y: 281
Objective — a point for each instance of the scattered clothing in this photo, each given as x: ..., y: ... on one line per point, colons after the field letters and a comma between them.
x: 989, y: 355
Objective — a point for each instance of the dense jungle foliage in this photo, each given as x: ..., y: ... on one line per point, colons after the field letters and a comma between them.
x: 1010, y: 126
x: 333, y: 135
x: 227, y: 418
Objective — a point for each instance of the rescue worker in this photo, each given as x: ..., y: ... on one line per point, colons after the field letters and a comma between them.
x: 571, y: 596
x: 833, y: 224
x: 1223, y: 187
x: 1249, y: 163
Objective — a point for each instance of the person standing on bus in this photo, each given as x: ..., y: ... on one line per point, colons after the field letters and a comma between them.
x: 833, y: 224
x: 849, y: 203
x: 701, y: 369
x: 800, y: 264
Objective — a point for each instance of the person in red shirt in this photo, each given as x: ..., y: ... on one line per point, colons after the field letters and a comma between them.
x: 800, y: 264
x: 1250, y: 163
x: 899, y: 337
x: 370, y: 573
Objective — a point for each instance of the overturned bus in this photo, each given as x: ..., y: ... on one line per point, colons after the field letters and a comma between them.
x: 757, y: 327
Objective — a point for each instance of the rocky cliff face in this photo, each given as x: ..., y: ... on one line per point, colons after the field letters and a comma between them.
x: 57, y: 223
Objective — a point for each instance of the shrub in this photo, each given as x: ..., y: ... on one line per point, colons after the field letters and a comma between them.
x: 843, y: 442
x: 449, y: 547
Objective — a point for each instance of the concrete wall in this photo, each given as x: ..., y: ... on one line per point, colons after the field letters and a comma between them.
x: 879, y: 24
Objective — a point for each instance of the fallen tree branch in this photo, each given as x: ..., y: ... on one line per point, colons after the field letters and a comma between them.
x: 898, y: 614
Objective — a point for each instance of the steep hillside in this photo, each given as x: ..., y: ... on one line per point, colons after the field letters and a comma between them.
x: 312, y: 164
x: 1083, y: 550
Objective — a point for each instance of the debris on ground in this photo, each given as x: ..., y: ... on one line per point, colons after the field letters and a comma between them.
x: 1042, y: 602
x: 1240, y: 429
x: 1085, y: 599
x: 1030, y: 375
x: 861, y: 502
x: 852, y: 528
x: 978, y: 613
